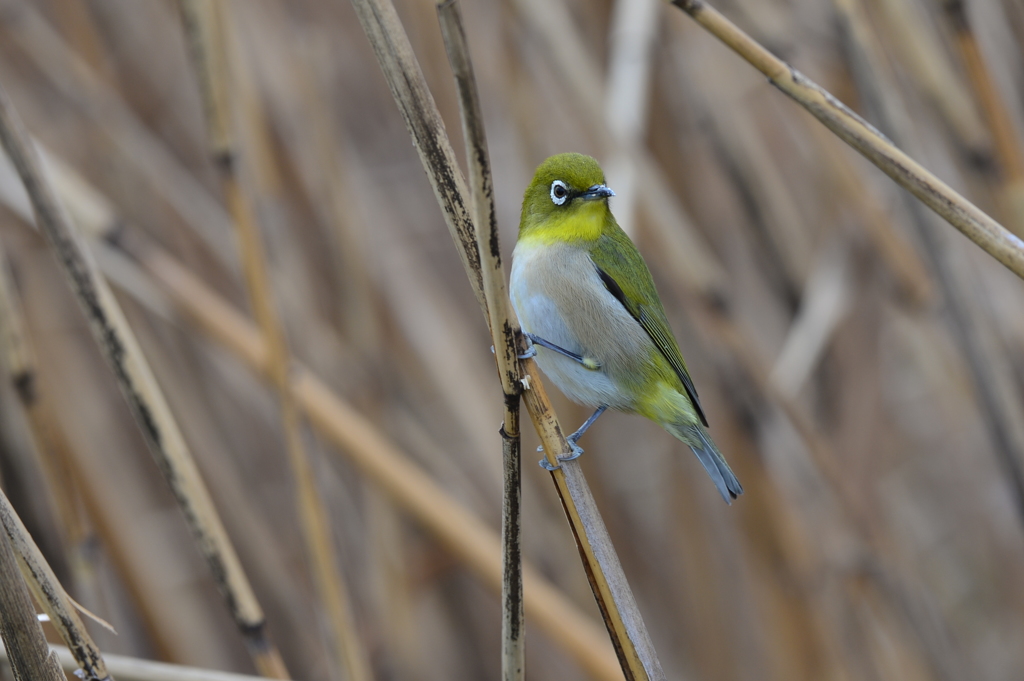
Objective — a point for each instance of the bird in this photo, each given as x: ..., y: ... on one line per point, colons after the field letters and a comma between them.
x: 586, y: 301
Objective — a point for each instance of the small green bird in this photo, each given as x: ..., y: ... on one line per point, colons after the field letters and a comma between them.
x: 586, y: 300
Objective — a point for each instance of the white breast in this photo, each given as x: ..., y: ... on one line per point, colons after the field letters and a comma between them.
x: 557, y: 295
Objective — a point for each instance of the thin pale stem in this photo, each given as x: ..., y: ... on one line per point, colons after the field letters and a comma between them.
x: 974, y: 223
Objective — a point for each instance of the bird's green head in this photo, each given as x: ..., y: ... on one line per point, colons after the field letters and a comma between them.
x: 567, y: 200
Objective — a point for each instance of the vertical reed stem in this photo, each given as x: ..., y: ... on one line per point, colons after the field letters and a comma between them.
x: 998, y: 396
x: 503, y: 335
x: 623, y: 620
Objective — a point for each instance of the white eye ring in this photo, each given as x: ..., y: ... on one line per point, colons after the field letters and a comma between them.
x: 559, y: 192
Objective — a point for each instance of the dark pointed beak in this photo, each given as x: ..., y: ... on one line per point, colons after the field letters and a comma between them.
x: 598, y: 191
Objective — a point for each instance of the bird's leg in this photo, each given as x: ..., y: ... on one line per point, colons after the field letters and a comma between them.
x: 588, y: 362
x: 577, y: 451
x: 586, y: 424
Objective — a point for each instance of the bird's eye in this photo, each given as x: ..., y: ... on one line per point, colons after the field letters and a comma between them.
x: 559, y: 192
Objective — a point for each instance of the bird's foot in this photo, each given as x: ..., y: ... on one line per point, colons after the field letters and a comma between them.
x: 530, y: 352
x: 576, y: 452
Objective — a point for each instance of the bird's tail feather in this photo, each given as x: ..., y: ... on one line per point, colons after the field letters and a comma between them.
x: 709, y: 456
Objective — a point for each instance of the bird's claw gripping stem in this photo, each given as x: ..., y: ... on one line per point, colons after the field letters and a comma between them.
x: 577, y: 452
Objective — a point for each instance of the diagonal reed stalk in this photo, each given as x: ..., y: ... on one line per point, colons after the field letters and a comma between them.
x: 997, y: 394
x: 1005, y: 144
x: 353, y: 436
x: 974, y: 223
x: 615, y: 599
x: 504, y: 331
x: 145, y: 399
x: 76, y: 501
x: 31, y: 659
x: 49, y: 593
x: 208, y: 40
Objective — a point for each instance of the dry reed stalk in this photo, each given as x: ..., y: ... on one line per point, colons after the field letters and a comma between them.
x: 852, y: 129
x: 208, y: 40
x: 49, y: 593
x: 76, y: 489
x: 1006, y: 145
x: 1000, y: 400
x: 136, y: 669
x: 464, y: 534
x: 31, y: 659
x: 354, y: 436
x: 46, y: 428
x: 138, y: 385
x: 625, y: 625
x: 387, y: 37
x: 504, y: 331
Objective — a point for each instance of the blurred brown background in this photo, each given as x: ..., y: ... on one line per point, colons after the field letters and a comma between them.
x: 861, y: 364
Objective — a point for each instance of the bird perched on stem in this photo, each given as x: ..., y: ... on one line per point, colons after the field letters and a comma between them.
x: 586, y: 301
